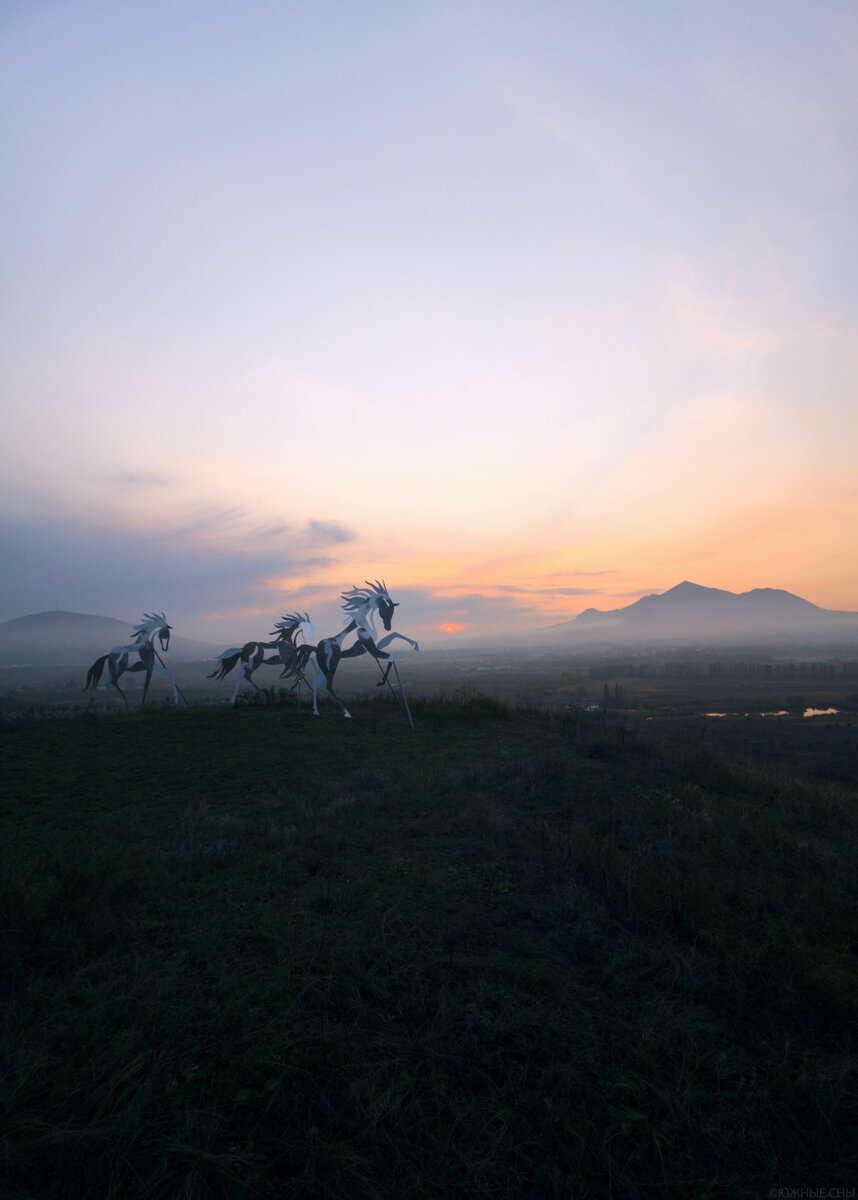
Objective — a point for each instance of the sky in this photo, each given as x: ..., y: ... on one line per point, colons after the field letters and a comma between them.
x: 522, y: 307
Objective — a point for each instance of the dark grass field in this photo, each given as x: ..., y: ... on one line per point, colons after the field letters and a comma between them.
x: 510, y: 954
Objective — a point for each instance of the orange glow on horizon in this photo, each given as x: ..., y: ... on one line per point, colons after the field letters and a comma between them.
x: 452, y: 628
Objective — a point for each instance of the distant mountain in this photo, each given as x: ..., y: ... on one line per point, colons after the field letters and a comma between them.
x: 76, y: 639
x: 689, y: 612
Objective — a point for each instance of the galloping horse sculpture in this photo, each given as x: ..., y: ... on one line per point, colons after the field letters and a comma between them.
x: 252, y: 654
x: 361, y: 605
x: 147, y: 659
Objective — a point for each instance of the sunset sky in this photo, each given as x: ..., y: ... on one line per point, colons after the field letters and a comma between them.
x: 522, y: 307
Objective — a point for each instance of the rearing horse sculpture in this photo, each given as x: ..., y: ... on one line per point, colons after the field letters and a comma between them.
x: 361, y: 605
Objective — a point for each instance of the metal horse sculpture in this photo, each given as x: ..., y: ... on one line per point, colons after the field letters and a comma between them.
x: 361, y: 605
x: 252, y: 654
x: 119, y: 659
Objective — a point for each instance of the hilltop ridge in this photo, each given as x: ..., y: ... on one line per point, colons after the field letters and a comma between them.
x: 691, y: 611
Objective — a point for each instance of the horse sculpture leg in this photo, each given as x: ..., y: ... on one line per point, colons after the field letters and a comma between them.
x: 390, y: 637
x: 329, y: 683
x: 292, y: 667
x: 237, y: 686
x: 327, y: 658
x: 146, y: 683
x: 320, y: 674
x: 367, y: 646
x: 162, y: 670
x: 248, y: 675
x: 113, y: 681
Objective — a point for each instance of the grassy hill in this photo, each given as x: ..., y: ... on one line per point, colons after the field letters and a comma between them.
x: 510, y: 954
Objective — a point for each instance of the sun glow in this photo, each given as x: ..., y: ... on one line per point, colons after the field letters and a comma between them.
x: 451, y: 628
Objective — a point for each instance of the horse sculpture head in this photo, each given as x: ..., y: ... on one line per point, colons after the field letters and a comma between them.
x: 373, y: 595
x: 385, y: 610
x: 292, y: 624
x: 152, y: 624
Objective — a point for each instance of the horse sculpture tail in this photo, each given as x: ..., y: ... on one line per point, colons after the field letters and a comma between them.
x: 94, y: 674
x: 227, y: 661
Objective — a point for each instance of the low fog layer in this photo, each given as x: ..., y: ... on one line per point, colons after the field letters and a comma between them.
x: 685, y: 615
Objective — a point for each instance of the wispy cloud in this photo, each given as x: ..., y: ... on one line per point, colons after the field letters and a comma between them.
x: 281, y: 529
x: 206, y: 521
x: 310, y: 534
x: 579, y: 574
x: 327, y: 533
x: 138, y: 479
x: 524, y: 589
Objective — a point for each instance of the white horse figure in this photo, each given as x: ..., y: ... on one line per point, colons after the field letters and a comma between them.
x: 147, y: 659
x: 252, y: 654
x: 361, y: 605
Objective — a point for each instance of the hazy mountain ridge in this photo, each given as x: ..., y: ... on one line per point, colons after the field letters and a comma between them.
x: 687, y: 613
x: 691, y: 611
x: 76, y: 639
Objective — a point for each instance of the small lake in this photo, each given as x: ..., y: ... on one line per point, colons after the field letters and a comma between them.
x: 782, y: 712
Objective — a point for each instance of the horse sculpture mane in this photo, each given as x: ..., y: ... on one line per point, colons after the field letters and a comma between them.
x: 357, y: 598
x: 286, y: 629
x: 150, y: 621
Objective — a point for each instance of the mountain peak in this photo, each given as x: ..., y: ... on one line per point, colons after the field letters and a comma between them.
x: 691, y: 612
x: 691, y: 591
